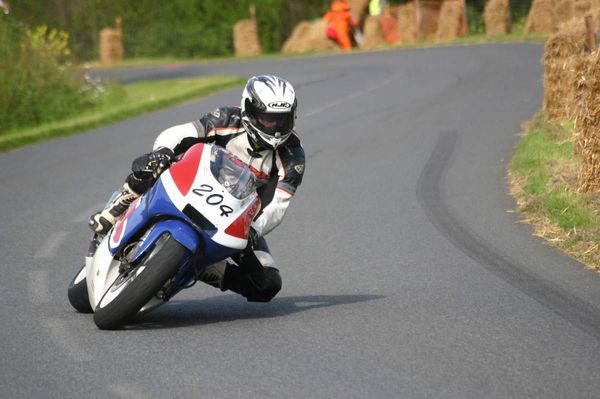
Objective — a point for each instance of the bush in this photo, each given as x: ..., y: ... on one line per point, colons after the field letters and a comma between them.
x: 35, y: 86
x: 177, y: 28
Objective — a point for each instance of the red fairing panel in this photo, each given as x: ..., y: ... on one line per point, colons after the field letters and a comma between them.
x: 240, y: 227
x: 184, y: 171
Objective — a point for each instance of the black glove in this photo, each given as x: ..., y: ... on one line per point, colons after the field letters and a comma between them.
x: 252, y: 239
x: 152, y: 164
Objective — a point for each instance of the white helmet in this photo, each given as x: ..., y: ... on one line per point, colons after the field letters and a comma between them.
x: 268, y: 110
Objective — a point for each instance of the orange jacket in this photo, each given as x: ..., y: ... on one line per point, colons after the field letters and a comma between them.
x: 340, y: 14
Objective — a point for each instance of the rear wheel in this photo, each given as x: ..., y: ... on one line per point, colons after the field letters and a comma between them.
x: 78, y: 293
x: 132, y: 289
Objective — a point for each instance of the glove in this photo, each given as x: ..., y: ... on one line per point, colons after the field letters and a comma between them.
x: 152, y: 164
x: 252, y: 239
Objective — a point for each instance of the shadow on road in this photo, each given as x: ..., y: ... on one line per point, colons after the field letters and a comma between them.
x: 226, y: 308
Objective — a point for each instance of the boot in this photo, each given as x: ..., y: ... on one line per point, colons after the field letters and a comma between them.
x: 213, y: 274
x: 103, y: 221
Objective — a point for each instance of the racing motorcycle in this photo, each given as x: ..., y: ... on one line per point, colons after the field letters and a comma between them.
x: 197, y: 213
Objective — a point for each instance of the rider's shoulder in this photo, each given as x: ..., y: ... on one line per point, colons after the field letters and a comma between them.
x: 224, y: 116
x: 293, y: 142
x: 292, y: 149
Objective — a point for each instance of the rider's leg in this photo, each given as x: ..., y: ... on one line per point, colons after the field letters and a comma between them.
x: 256, y: 276
x: 104, y: 220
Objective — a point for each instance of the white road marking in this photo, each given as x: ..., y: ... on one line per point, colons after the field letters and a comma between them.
x: 352, y: 96
x: 84, y: 216
x: 38, y: 287
x: 126, y: 392
x: 66, y: 341
x: 51, y: 246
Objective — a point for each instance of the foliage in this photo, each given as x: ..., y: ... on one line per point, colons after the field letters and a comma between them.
x: 543, y: 177
x: 119, y: 103
x: 35, y: 86
x: 179, y: 28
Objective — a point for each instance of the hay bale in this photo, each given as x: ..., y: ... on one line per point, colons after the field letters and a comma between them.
x: 407, y: 23
x: 450, y: 20
x: 360, y: 9
x: 428, y: 15
x: 497, y: 17
x: 111, y: 44
x: 389, y: 24
x: 560, y: 63
x: 309, y: 36
x: 541, y: 17
x: 373, y: 34
x: 587, y: 123
x: 245, y: 38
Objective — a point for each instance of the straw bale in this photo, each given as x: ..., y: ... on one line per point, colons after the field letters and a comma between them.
x: 309, y: 36
x: 407, y: 22
x: 563, y: 11
x: 111, y: 44
x: 429, y: 12
x: 497, y: 17
x: 587, y: 123
x: 360, y: 9
x: 389, y: 25
x: 373, y: 34
x: 245, y: 38
x: 541, y: 17
x: 449, y: 22
x: 560, y: 63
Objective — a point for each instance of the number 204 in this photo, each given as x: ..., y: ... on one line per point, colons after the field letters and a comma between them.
x: 213, y: 199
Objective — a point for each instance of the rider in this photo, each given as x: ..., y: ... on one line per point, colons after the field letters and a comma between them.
x: 261, y: 134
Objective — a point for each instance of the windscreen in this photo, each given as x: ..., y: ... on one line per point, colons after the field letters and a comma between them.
x: 232, y: 173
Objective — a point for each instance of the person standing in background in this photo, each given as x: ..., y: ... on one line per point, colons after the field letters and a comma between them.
x: 339, y: 23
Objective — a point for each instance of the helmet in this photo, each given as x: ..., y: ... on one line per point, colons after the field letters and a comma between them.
x: 268, y: 110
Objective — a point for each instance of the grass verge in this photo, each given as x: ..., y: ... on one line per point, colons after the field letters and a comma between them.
x: 120, y: 103
x: 543, y: 179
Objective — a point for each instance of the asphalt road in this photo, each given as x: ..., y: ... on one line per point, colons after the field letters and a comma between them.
x: 405, y: 274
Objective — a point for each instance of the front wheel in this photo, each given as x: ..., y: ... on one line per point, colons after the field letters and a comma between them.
x: 78, y: 293
x: 134, y: 288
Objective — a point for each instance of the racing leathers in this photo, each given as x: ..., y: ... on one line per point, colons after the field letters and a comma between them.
x: 278, y: 174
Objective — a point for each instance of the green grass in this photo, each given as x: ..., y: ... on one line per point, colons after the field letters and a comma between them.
x: 120, y: 103
x: 543, y: 178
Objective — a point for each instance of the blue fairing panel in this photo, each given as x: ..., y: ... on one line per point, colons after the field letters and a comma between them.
x: 179, y: 230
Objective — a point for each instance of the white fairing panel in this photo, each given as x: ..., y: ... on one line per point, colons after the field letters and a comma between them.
x: 209, y: 198
x: 102, y: 270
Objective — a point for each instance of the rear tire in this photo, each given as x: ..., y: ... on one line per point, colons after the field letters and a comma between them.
x: 78, y: 293
x: 127, y: 295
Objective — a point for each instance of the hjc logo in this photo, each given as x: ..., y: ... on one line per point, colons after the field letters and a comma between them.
x: 281, y: 104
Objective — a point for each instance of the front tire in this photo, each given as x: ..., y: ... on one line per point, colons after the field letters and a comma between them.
x: 131, y: 291
x: 78, y: 293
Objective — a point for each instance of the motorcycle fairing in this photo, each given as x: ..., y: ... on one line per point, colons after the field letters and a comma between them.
x: 189, y: 192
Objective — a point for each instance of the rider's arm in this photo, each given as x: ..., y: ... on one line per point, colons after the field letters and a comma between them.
x: 290, y: 166
x: 173, y: 136
x: 181, y: 137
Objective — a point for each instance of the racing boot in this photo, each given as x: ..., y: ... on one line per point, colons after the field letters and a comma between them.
x: 213, y: 274
x: 103, y: 221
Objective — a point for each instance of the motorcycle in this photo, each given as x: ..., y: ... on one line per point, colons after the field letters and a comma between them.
x: 197, y: 213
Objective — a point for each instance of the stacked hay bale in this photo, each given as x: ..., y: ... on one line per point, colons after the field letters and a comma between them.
x: 541, y: 17
x: 407, y: 22
x: 389, y: 25
x: 245, y: 36
x: 497, y: 17
x: 111, y: 44
x: 373, y: 33
x: 428, y: 15
x: 587, y: 123
x: 360, y: 9
x: 309, y: 36
x: 562, y: 55
x: 450, y: 20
